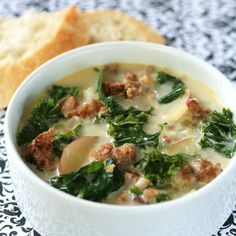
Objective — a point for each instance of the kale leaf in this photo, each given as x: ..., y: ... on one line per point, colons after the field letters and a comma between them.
x: 91, y: 182
x: 219, y: 133
x: 136, y: 191
x: 159, y: 167
x: 60, y: 140
x: 59, y: 92
x: 125, y: 125
x: 44, y: 114
x: 114, y: 108
x: 178, y: 87
x: 162, y: 197
x: 132, y: 134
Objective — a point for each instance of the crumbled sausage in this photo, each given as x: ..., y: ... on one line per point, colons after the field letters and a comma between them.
x: 123, y: 197
x: 88, y: 110
x: 124, y: 155
x: 114, y: 88
x: 69, y: 104
x: 197, y: 110
x: 200, y: 170
x: 150, y: 194
x: 40, y: 150
x: 206, y: 171
x: 131, y: 87
x: 103, y: 152
x: 186, y: 177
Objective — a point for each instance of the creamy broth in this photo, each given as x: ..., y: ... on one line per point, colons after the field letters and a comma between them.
x: 177, y: 124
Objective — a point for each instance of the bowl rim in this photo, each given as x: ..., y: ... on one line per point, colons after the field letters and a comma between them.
x: 104, y: 206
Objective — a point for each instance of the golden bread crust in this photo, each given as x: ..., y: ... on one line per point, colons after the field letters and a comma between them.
x: 112, y: 25
x: 72, y: 33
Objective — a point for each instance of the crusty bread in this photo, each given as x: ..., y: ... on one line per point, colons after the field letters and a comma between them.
x: 29, y: 41
x: 113, y: 25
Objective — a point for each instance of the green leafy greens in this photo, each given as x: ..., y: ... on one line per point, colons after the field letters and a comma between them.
x: 60, y: 140
x: 178, y: 87
x: 125, y: 126
x: 44, y: 114
x: 136, y: 191
x: 219, y: 132
x: 59, y: 92
x: 162, y: 197
x: 91, y: 182
x: 159, y: 167
x: 128, y: 128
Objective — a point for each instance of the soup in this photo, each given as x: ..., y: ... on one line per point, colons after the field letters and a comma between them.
x: 127, y: 134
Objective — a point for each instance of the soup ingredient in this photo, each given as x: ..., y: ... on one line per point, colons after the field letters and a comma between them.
x: 59, y: 92
x: 162, y: 197
x: 60, y: 139
x: 159, y: 168
x: 75, y: 154
x: 92, y: 182
x: 44, y: 114
x: 88, y: 110
x: 124, y: 155
x: 125, y: 126
x: 178, y: 87
x: 136, y: 191
x: 219, y: 133
x: 40, y: 151
x: 129, y: 129
x: 113, y: 107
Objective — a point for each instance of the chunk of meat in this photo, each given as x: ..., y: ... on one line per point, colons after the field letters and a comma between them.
x: 198, y: 111
x: 123, y: 197
x: 206, y: 171
x: 123, y: 155
x: 40, y: 151
x: 200, y: 170
x: 186, y: 177
x: 150, y: 194
x: 88, y: 110
x: 69, y: 104
x: 103, y: 153
x: 131, y: 87
x: 111, y: 88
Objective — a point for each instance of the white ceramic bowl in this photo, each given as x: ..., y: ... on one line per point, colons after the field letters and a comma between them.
x: 54, y: 213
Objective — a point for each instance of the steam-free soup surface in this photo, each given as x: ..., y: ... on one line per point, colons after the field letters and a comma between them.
x: 127, y: 134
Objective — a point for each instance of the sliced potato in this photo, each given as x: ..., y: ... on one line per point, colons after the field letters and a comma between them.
x: 173, y: 111
x: 64, y: 126
x: 75, y: 154
x: 186, y: 145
